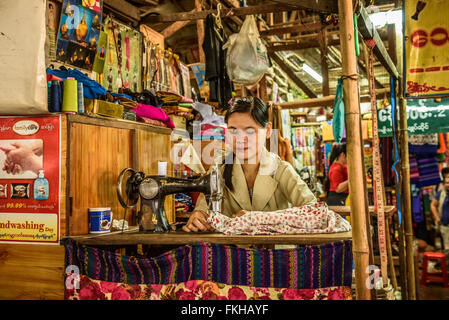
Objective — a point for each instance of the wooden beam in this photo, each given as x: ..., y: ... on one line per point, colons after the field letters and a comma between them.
x: 309, y: 92
x: 328, y: 6
x: 176, y: 26
x: 123, y: 8
x: 369, y: 32
x: 298, y: 28
x: 301, y: 45
x: 225, y: 13
x: 200, y: 32
x: 326, y: 101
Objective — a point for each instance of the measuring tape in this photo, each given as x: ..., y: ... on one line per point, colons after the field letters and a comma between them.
x: 377, y: 173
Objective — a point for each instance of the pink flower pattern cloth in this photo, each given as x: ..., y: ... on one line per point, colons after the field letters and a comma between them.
x: 315, y: 218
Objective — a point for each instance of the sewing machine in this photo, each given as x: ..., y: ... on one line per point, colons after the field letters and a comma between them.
x: 152, y: 191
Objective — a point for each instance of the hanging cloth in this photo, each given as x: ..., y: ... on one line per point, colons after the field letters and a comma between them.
x: 338, y: 122
x: 219, y: 83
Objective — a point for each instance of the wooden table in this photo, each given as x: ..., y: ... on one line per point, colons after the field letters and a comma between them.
x: 182, y: 238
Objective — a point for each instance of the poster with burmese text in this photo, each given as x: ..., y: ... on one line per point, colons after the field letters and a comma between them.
x: 426, y: 43
x: 30, y: 179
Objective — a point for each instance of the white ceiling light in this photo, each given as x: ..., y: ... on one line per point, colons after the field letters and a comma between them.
x: 379, y: 19
x: 312, y: 73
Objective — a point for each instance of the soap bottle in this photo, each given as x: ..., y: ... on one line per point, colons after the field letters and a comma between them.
x: 41, y: 187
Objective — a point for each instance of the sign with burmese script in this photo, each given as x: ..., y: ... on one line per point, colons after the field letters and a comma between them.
x: 424, y: 116
x: 426, y: 44
x: 29, y: 179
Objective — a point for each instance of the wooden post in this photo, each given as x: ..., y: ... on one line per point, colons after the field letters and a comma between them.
x: 354, y: 151
x: 407, y: 212
x: 200, y: 31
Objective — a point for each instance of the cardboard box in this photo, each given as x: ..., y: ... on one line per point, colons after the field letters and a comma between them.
x: 180, y: 122
x: 104, y: 108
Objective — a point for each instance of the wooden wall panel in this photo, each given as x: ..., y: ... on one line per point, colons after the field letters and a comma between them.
x: 151, y: 148
x: 31, y: 272
x: 97, y: 156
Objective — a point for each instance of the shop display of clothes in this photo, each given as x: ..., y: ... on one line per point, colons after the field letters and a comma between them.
x: 216, y: 72
x: 308, y: 219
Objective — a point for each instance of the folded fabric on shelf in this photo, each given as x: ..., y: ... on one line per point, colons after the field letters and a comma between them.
x: 168, y: 97
x: 315, y: 218
x: 147, y: 111
x: 152, y: 121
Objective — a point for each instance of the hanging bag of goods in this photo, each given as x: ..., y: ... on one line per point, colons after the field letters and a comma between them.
x: 247, y: 58
x: 22, y: 57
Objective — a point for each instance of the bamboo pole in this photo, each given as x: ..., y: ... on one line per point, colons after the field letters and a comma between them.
x: 407, y: 212
x: 354, y: 151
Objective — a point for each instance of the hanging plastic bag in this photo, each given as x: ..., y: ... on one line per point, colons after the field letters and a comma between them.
x: 247, y: 57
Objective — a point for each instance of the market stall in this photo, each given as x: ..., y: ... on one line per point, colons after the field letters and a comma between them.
x: 125, y: 118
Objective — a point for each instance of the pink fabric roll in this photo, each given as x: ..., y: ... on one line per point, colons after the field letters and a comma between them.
x: 147, y: 111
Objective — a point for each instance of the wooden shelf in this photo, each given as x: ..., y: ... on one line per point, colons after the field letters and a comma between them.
x: 181, y: 237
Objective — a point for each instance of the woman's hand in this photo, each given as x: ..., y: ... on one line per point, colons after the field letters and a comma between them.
x: 197, y: 223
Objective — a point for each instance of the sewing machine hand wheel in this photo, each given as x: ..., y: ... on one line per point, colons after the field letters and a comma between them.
x: 127, y: 188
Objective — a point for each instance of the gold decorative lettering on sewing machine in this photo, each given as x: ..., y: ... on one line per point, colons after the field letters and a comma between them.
x: 152, y: 190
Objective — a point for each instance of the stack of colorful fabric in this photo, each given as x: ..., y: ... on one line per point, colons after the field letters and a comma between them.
x: 303, y: 273
x: 153, y: 115
x: 175, y: 104
x: 183, y: 203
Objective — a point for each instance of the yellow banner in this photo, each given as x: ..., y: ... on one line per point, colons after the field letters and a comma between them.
x: 426, y: 40
x: 29, y: 227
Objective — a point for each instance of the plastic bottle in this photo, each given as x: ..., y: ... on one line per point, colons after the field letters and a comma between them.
x: 41, y: 187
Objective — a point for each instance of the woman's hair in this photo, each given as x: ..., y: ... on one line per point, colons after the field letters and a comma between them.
x: 337, y: 149
x: 258, y: 111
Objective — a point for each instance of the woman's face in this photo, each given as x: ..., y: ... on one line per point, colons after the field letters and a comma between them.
x: 246, y: 136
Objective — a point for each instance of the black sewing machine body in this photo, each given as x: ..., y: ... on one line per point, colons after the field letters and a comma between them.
x: 152, y: 191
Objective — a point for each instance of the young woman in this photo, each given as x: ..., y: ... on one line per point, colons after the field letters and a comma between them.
x: 337, y: 182
x: 254, y: 178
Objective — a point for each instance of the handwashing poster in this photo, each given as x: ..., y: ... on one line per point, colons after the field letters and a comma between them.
x: 29, y: 179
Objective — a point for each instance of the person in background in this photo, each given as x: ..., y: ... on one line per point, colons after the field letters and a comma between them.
x: 336, y: 184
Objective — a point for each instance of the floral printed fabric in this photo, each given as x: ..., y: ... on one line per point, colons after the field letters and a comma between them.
x: 90, y: 289
x: 315, y: 218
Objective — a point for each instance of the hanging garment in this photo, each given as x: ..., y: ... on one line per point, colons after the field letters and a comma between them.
x: 216, y: 73
x: 417, y: 206
x: 386, y: 145
x: 304, y: 267
x: 429, y: 172
x: 423, y: 143
x: 414, y: 171
x: 315, y: 218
